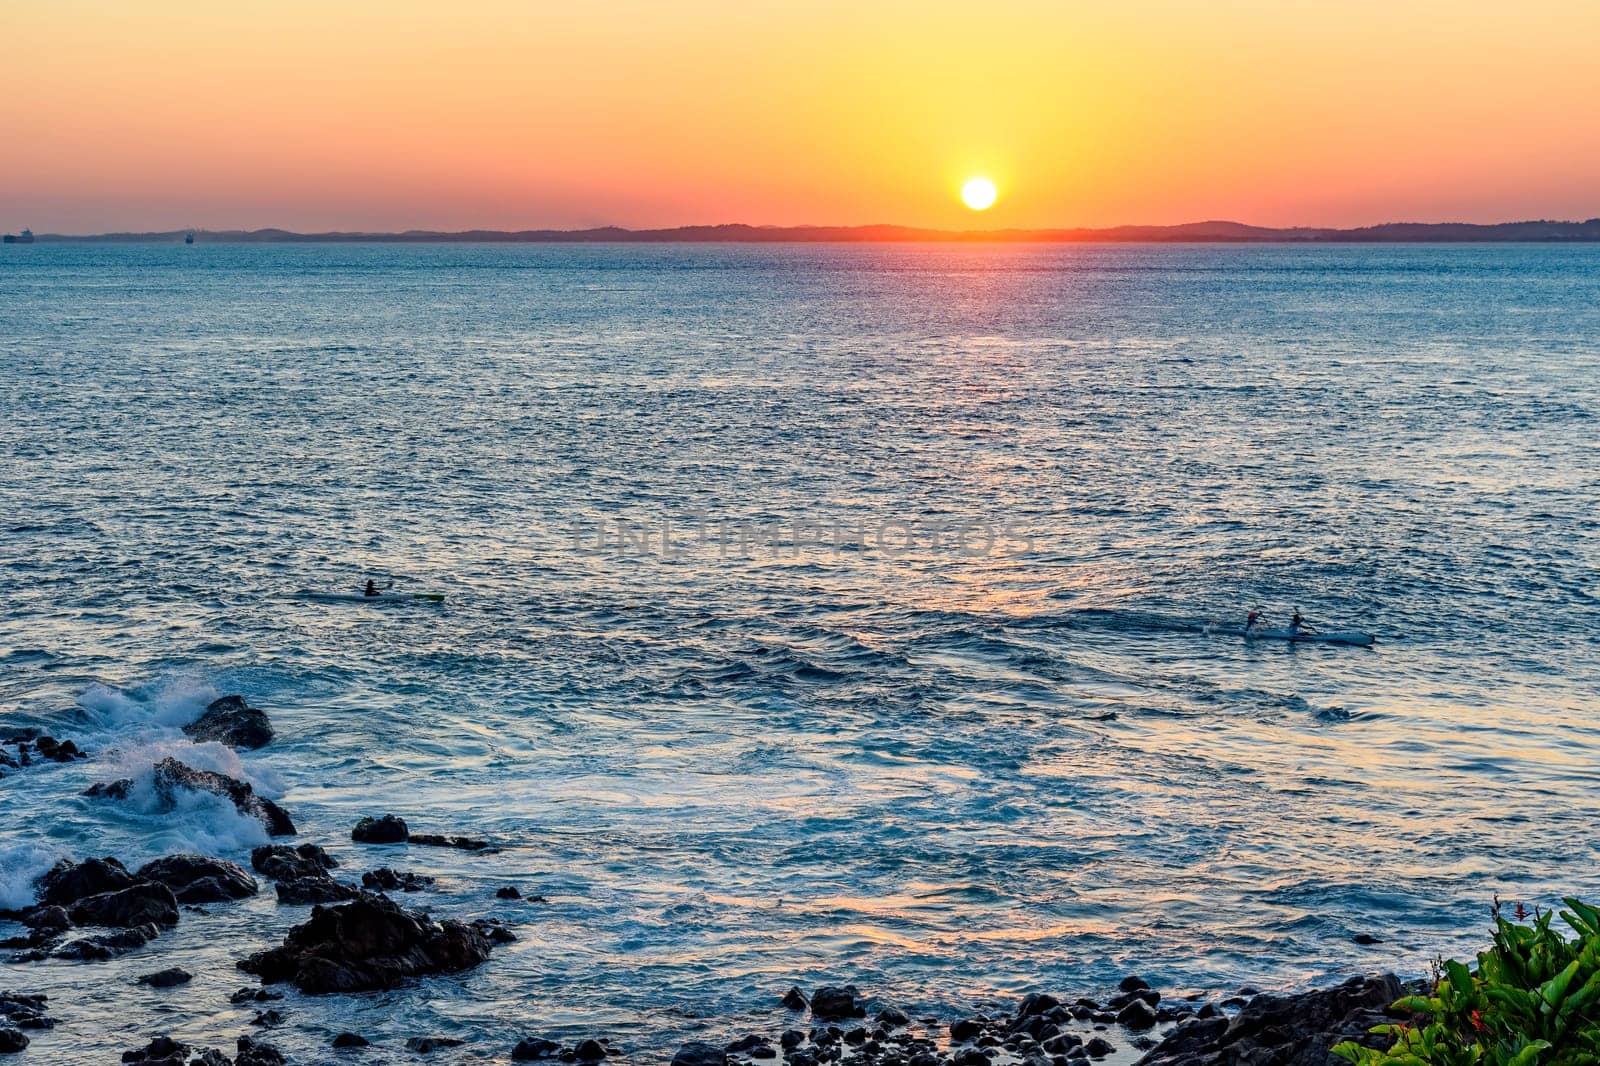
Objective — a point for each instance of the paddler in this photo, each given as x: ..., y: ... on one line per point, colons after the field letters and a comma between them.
x: 372, y: 589
x: 1251, y: 621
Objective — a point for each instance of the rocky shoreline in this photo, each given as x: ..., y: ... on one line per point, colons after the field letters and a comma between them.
x: 358, y: 939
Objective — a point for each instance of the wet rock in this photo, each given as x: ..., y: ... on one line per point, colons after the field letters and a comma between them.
x: 1138, y: 1015
x: 1133, y: 983
x: 253, y: 995
x: 508, y: 892
x: 791, y: 1039
x: 699, y: 1053
x: 67, y: 882
x: 1100, y: 1047
x: 367, y: 944
x: 106, y: 946
x: 162, y: 1050
x: 351, y: 1040
x: 210, y: 1057
x: 24, y: 1011
x: 1366, y: 939
x: 964, y: 1029
x: 893, y: 1016
x: 172, y: 776
x: 167, y: 978
x: 837, y: 1001
x: 494, y: 930
x: 535, y: 1048
x: 384, y: 879
x: 254, y: 1052
x: 589, y: 1051
x: 233, y: 722
x: 1293, y: 1030
x: 270, y: 1018
x: 146, y: 903
x: 794, y: 999
x: 427, y: 1045
x: 969, y: 1056
x: 199, y: 879
x: 282, y: 862
x: 45, y: 919
x: 463, y: 843
x: 318, y: 889
x: 11, y: 1040
x: 385, y: 830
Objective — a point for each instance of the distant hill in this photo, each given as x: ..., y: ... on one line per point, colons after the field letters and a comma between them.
x: 737, y: 233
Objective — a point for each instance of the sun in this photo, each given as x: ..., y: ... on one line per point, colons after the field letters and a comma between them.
x: 979, y: 194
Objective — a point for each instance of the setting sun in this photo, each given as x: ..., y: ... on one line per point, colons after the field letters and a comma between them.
x: 978, y: 194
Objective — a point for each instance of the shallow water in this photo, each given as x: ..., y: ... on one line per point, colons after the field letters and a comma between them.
x: 813, y: 612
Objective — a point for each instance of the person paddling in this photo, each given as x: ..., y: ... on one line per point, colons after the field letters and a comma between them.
x: 1297, y: 626
x: 372, y: 588
x: 1251, y: 622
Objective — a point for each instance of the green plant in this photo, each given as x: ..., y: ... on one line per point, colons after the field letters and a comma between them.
x: 1534, y: 1000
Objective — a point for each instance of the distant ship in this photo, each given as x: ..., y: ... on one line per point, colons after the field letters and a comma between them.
x: 26, y: 238
x: 188, y: 238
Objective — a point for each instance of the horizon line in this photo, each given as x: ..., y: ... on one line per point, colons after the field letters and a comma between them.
x: 1216, y: 230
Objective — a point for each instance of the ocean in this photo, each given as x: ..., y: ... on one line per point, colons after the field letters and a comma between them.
x: 813, y: 613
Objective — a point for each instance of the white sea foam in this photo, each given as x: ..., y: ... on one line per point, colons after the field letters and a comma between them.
x: 20, y: 866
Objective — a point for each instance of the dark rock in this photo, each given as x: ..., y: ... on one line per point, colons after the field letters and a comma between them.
x: 1035, y: 1004
x: 1100, y: 1047
x: 163, y: 1049
x: 198, y: 879
x: 434, y: 840
x: 211, y: 1057
x: 270, y: 1018
x: 384, y: 879
x: 508, y: 892
x: 1294, y: 1030
x: 319, y: 889
x: 170, y: 776
x: 1133, y: 984
x: 253, y: 995
x: 67, y: 882
x: 57, y: 751
x: 745, y: 1043
x: 969, y: 1056
x: 253, y: 1052
x: 1138, y: 1015
x: 497, y: 933
x: 167, y: 978
x: 699, y: 1053
x: 368, y: 944
x: 794, y: 999
x: 281, y: 862
x: 46, y: 919
x: 24, y: 1011
x: 534, y: 1048
x: 791, y: 1039
x: 1366, y: 939
x: 589, y: 1051
x: 965, y: 1029
x: 147, y: 903
x: 351, y: 1040
x: 11, y: 1040
x: 427, y: 1045
x: 893, y: 1016
x: 106, y: 946
x: 386, y: 830
x: 832, y: 1001
x: 233, y: 722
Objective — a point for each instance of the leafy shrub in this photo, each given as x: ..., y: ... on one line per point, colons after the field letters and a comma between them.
x: 1533, y: 1001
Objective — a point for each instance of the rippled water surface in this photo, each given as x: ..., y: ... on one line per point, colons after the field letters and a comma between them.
x: 812, y: 612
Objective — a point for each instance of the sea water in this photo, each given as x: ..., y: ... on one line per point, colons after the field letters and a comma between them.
x: 813, y: 612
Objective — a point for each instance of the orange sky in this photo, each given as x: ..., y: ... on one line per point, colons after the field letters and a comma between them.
x: 453, y: 114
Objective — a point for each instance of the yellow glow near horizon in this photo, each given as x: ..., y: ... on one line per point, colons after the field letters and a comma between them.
x: 393, y: 114
x: 979, y: 194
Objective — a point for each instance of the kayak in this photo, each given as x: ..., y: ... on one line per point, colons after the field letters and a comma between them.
x: 1360, y: 640
x: 382, y: 597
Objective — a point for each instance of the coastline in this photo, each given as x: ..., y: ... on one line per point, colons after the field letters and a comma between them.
x: 1539, y: 231
x: 365, y: 936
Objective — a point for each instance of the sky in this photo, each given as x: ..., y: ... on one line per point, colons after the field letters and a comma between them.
x: 356, y: 115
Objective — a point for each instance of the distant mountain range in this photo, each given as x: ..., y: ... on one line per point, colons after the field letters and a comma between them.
x: 1192, y: 232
